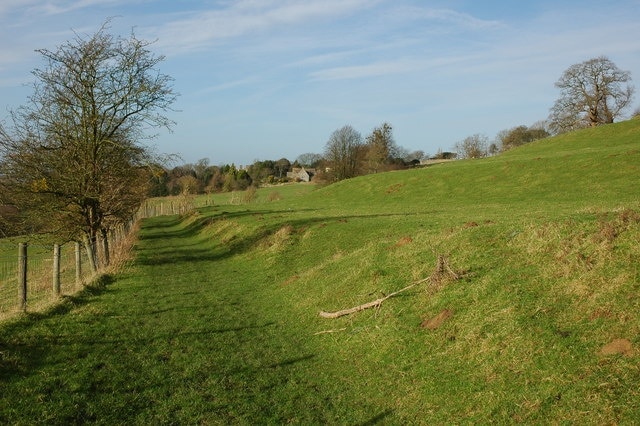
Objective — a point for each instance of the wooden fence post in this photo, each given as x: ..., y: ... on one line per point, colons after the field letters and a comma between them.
x: 22, y: 276
x: 78, y: 263
x: 56, y: 270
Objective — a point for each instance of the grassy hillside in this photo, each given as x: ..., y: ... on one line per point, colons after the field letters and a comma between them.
x: 216, y: 320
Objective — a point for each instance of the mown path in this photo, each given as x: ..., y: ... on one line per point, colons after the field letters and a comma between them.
x: 176, y: 338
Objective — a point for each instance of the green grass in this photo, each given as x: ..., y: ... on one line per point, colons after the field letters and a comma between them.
x: 216, y: 320
x: 166, y: 205
x: 39, y: 273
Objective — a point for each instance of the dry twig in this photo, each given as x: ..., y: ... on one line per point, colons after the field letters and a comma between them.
x: 373, y: 304
x: 441, y: 273
x: 329, y: 331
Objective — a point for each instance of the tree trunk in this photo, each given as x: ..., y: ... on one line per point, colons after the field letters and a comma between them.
x: 89, y: 245
x: 105, y: 246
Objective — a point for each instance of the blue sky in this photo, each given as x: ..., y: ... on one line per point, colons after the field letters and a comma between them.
x: 266, y: 79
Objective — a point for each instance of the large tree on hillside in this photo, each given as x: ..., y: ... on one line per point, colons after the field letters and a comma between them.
x: 592, y: 92
x: 73, y: 156
x: 342, y: 152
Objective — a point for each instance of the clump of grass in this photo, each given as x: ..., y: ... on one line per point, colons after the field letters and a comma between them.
x: 249, y: 195
x: 274, y: 196
x: 123, y: 250
x: 279, y: 238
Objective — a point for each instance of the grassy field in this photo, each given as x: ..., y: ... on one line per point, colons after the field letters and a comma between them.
x: 216, y: 319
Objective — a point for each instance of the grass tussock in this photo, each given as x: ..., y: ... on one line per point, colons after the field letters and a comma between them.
x: 279, y: 238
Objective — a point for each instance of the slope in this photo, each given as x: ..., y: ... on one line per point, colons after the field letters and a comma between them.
x: 216, y: 320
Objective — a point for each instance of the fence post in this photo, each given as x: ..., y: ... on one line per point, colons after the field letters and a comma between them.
x: 78, y: 264
x: 56, y: 270
x: 22, y: 276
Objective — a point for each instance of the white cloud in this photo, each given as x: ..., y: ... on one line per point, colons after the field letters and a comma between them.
x: 456, y: 20
x: 384, y: 68
x: 360, y: 71
x: 204, y: 29
x: 462, y: 19
x: 60, y: 7
x: 31, y: 9
x: 10, y: 6
x: 230, y: 85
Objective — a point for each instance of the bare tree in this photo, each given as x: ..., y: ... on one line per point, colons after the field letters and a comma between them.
x: 342, y: 151
x: 593, y: 92
x: 309, y: 159
x: 475, y: 146
x: 72, y: 155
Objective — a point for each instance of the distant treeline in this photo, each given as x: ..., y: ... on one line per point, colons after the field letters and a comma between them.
x: 347, y: 154
x: 202, y: 177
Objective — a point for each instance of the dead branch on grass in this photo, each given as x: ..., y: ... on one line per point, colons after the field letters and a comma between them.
x: 373, y: 304
x: 329, y: 331
x: 441, y: 274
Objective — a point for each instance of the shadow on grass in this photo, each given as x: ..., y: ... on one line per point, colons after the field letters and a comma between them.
x: 291, y: 361
x: 378, y: 418
x: 25, y: 349
x: 19, y: 354
x: 64, y: 306
x: 131, y: 341
x: 185, y: 249
x: 157, y: 228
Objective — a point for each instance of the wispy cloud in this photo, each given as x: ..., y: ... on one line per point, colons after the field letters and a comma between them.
x: 230, y: 85
x: 10, y: 6
x: 34, y: 8
x: 206, y: 28
x: 367, y: 70
x: 60, y: 7
x: 385, y: 68
x: 458, y: 20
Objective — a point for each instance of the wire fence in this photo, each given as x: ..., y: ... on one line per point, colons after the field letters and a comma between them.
x: 33, y: 276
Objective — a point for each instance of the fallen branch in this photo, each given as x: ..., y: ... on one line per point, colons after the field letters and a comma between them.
x: 439, y: 277
x: 373, y: 304
x: 329, y: 331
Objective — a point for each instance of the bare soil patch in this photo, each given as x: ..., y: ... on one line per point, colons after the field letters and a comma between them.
x: 618, y: 347
x: 436, y: 321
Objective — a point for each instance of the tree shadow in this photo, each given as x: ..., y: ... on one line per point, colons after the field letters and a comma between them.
x: 22, y: 355
x: 291, y: 361
x: 66, y: 303
x: 194, y: 251
x: 378, y: 418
